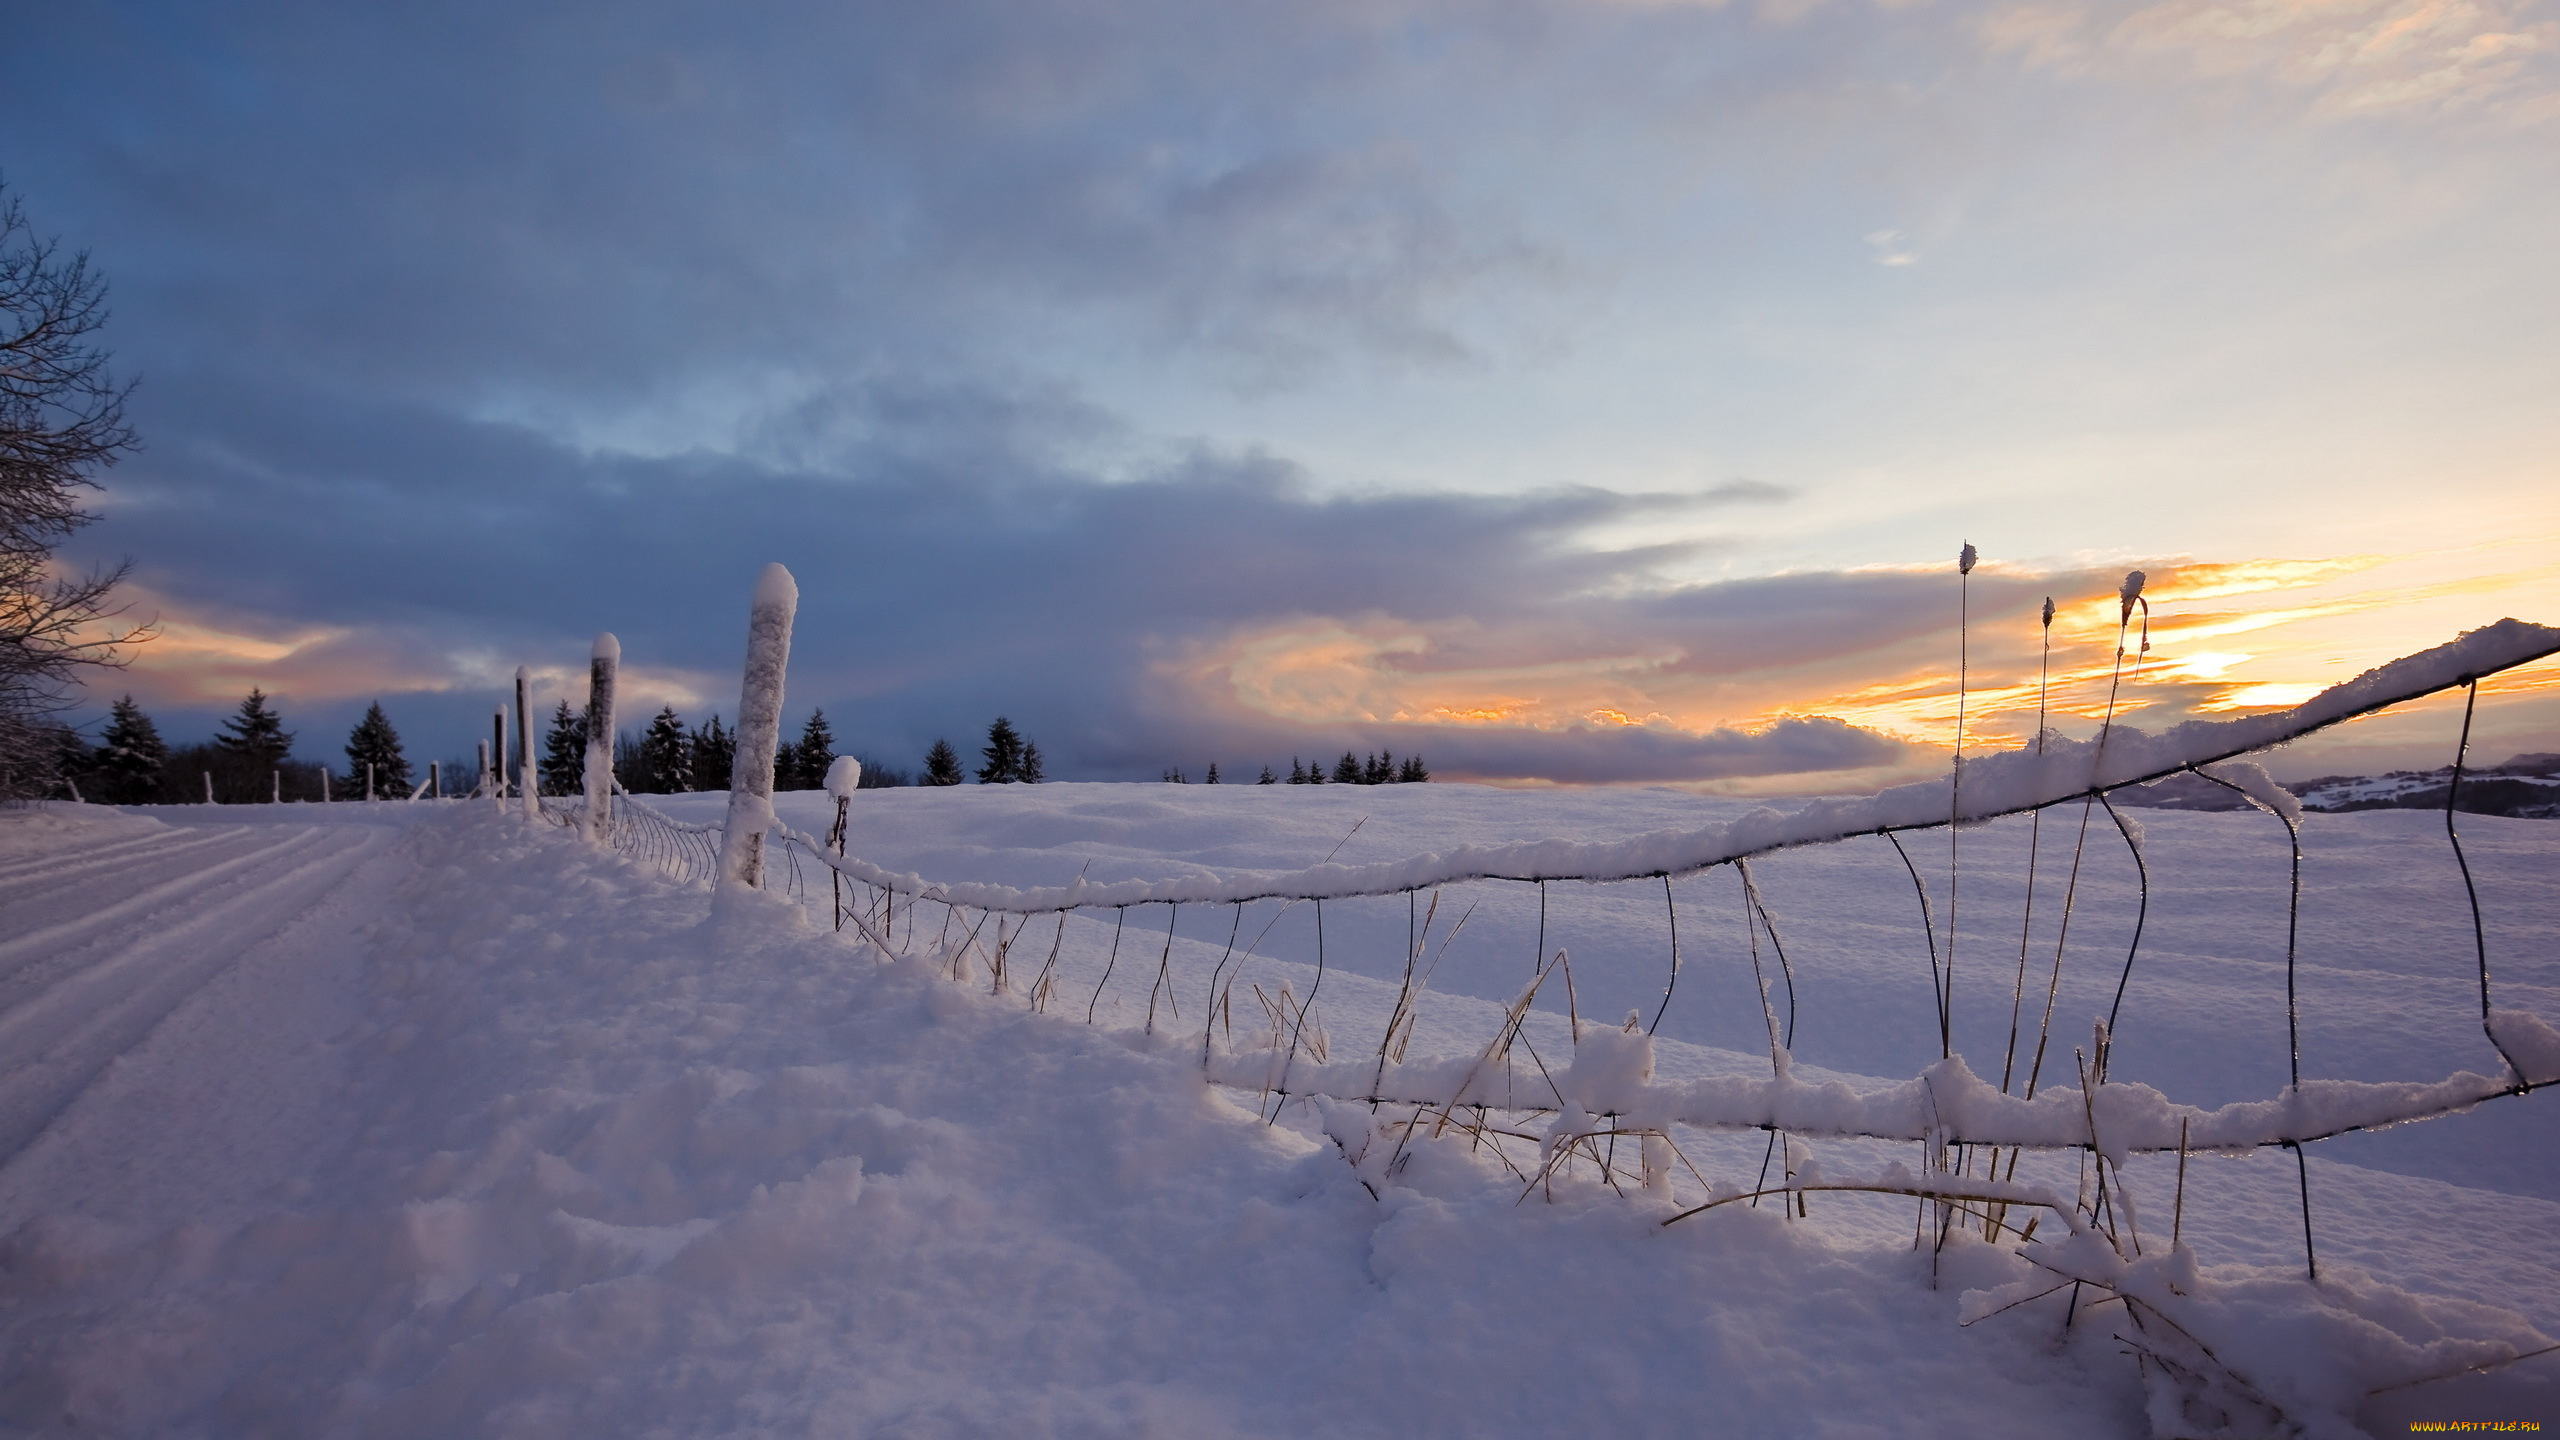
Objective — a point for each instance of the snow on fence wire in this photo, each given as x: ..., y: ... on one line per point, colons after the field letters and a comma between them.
x: 1947, y: 1107
x: 686, y: 852
x: 1378, y: 1106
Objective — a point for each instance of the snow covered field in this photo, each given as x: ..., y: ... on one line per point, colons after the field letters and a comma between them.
x: 414, y: 1119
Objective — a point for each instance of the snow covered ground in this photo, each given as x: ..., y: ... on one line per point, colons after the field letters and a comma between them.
x: 415, y: 1119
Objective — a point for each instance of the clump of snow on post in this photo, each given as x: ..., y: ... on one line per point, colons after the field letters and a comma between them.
x: 759, y: 728
x: 601, y: 673
x: 844, y: 776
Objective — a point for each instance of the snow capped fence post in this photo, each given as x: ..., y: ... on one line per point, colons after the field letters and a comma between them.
x: 844, y: 776
x: 495, y: 781
x: 601, y: 672
x: 485, y: 777
x: 528, y: 793
x: 759, y: 728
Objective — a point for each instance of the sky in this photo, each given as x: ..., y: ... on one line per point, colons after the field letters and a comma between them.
x: 1575, y: 392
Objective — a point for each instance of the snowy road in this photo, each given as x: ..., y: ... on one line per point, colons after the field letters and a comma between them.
x: 110, y: 933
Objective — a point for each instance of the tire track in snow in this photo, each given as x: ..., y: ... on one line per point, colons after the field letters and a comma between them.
x: 29, y: 878
x: 107, y: 981
x: 50, y: 860
x: 157, y: 900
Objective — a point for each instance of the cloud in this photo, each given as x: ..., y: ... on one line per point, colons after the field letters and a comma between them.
x: 1324, y: 376
x: 958, y: 560
x: 1892, y: 248
x: 2356, y: 57
x: 2309, y: 624
x: 586, y: 212
x: 954, y: 566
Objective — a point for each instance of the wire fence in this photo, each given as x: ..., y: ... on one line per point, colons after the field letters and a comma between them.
x: 1597, y: 1114
x: 685, y: 852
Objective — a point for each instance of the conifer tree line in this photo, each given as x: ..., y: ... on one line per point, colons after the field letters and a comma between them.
x: 1382, y: 768
x: 1008, y: 758
x: 667, y: 757
x: 250, y: 761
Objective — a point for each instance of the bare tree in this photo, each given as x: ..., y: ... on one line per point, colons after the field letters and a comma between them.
x: 61, y: 421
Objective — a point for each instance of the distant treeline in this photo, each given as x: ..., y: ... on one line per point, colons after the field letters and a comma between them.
x: 1382, y: 768
x: 669, y: 758
x: 249, y: 762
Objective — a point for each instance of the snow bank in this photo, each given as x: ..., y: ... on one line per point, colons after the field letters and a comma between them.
x: 563, y: 1159
x: 588, y: 1166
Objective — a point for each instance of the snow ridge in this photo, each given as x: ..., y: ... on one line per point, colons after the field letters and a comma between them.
x: 1946, y: 1102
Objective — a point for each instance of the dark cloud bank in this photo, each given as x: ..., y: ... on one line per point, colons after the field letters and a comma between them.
x: 388, y: 276
x: 939, y: 589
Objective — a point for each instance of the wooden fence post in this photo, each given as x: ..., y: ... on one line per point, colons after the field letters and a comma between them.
x: 602, y: 671
x: 528, y: 794
x: 844, y: 776
x: 759, y: 728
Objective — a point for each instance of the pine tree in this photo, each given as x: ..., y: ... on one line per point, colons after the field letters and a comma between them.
x: 1267, y: 777
x: 130, y: 757
x: 1380, y: 769
x: 1003, y: 754
x: 1346, y: 771
x: 1213, y: 772
x: 942, y: 765
x: 1413, y: 771
x: 373, y: 742
x: 712, y: 752
x: 255, y: 734
x: 1030, y: 773
x: 811, y: 756
x: 666, y: 761
x: 564, y: 753
x: 1297, y: 772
